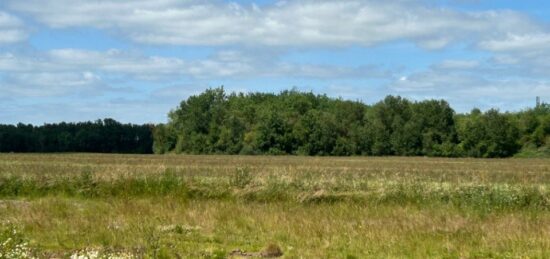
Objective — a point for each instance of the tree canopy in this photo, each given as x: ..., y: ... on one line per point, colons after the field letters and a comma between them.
x: 101, y: 136
x: 302, y: 123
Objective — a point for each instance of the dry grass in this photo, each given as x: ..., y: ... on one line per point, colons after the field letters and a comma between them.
x: 326, y: 207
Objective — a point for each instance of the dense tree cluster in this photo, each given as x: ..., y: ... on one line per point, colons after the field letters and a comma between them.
x: 300, y: 123
x: 293, y: 122
x: 103, y: 136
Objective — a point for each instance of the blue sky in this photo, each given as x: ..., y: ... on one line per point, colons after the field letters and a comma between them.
x: 75, y: 60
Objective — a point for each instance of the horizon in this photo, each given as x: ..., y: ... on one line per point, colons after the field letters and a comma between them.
x: 134, y: 61
x: 276, y: 93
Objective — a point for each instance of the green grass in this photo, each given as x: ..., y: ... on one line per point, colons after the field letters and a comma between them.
x: 208, y: 206
x: 300, y: 188
x: 543, y: 152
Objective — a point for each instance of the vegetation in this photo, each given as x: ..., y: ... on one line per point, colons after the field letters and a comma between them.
x: 300, y: 123
x: 311, y: 207
x: 12, y: 243
x: 103, y: 136
x: 189, y: 206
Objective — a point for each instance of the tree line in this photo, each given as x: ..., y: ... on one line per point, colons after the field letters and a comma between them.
x: 100, y: 136
x: 302, y: 123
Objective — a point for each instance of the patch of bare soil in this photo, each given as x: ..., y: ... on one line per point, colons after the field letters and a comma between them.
x: 270, y: 251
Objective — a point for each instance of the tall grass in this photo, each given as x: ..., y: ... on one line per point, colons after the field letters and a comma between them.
x: 242, y: 185
x: 209, y: 206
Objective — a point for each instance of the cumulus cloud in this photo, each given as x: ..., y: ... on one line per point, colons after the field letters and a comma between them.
x: 44, y: 84
x: 64, y: 71
x: 219, y: 64
x: 470, y: 83
x: 533, y: 42
x: 115, y: 61
x: 285, y: 23
x: 458, y: 64
x: 11, y: 29
x: 524, y: 52
x: 251, y: 42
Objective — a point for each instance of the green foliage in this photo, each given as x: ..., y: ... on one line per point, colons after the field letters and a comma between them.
x: 13, y: 244
x: 534, y: 130
x: 164, y: 139
x: 242, y: 178
x: 122, y: 206
x: 293, y: 122
x: 242, y: 185
x: 101, y: 136
x: 300, y: 123
x: 490, y: 134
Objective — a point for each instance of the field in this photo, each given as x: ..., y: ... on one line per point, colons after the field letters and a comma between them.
x: 171, y: 206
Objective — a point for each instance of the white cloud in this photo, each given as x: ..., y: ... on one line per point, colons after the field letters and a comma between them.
x: 252, y: 41
x: 458, y: 64
x: 117, y: 61
x: 471, y: 83
x: 114, y: 62
x: 11, y: 29
x: 65, y: 71
x: 286, y: 23
x: 220, y: 64
x: 527, y: 52
x: 44, y: 84
x: 430, y: 81
x: 518, y: 42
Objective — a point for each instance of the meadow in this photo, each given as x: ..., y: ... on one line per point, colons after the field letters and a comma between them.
x: 180, y: 206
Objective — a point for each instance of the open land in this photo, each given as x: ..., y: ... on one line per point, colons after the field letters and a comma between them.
x: 181, y: 206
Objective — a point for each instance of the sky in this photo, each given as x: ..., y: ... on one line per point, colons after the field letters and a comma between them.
x: 135, y: 60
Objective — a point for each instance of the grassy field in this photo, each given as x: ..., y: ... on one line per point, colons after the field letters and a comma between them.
x: 308, y: 207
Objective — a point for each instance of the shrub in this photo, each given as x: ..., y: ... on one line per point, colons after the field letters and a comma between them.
x: 13, y: 245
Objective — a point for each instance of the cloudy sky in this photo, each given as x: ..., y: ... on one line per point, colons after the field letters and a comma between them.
x: 134, y: 60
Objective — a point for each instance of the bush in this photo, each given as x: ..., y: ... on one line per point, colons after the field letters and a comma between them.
x: 13, y: 245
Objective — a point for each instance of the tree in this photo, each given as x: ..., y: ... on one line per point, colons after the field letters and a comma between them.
x: 293, y: 122
x: 435, y: 125
x: 490, y: 134
x: 387, y: 127
x: 316, y: 133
